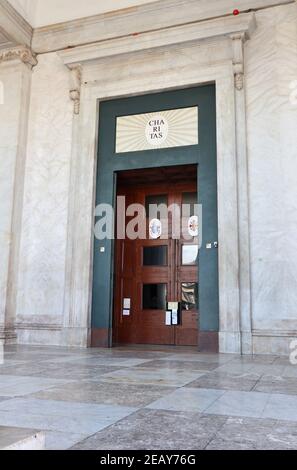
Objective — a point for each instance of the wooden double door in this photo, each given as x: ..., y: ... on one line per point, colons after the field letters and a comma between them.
x: 160, y: 265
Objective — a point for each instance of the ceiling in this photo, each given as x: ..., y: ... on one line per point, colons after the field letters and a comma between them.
x: 43, y: 12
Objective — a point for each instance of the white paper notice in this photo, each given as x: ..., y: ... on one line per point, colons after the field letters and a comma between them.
x: 127, y: 304
x: 174, y: 317
x: 126, y: 313
x: 168, y: 319
x: 172, y: 305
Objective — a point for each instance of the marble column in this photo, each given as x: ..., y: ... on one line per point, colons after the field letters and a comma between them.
x: 238, y: 41
x: 15, y: 83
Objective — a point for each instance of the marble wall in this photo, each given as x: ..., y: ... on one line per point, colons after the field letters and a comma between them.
x: 40, y: 295
x: 271, y: 72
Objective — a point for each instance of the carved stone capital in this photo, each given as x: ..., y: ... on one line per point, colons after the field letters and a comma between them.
x: 238, y: 40
x: 21, y: 53
x: 75, y: 86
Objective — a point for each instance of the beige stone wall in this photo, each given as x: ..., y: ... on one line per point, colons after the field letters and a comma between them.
x: 271, y: 109
x: 271, y: 73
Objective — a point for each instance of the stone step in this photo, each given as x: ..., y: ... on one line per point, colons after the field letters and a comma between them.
x: 21, y: 439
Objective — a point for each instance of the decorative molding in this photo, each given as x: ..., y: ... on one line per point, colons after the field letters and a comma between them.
x: 38, y: 326
x: 238, y: 41
x: 14, y: 26
x: 22, y: 53
x: 75, y: 87
x: 183, y: 73
x: 149, y: 18
x: 276, y: 333
x: 219, y: 27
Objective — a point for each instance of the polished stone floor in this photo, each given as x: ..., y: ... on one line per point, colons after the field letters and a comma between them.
x: 149, y: 398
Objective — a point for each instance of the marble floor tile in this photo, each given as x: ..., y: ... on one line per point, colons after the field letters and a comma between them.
x: 281, y: 407
x: 101, y: 360
x: 128, y: 354
x: 235, y: 368
x: 27, y: 369
x: 7, y: 380
x: 255, y: 434
x: 200, y: 357
x: 64, y: 359
x: 188, y: 399
x: 277, y: 385
x: 11, y: 362
x: 283, y: 436
x: 37, y: 357
x: 224, y: 381
x: 245, y: 404
x: 73, y: 418
x: 251, y: 368
x: 75, y: 372
x: 170, y: 350
x: 290, y: 371
x: 46, y: 351
x: 11, y: 386
x: 55, y: 440
x: 267, y: 369
x: 283, y: 361
x: 166, y: 377
x: 181, y: 365
x: 259, y: 359
x: 106, y: 393
x: 113, y: 361
x: 156, y: 430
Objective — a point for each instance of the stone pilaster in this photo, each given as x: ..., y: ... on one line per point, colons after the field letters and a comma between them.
x: 15, y: 79
x: 238, y: 41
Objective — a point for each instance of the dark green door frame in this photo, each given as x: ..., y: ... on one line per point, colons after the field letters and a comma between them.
x: 109, y: 163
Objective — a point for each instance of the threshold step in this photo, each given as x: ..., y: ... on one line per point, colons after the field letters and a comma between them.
x: 21, y: 439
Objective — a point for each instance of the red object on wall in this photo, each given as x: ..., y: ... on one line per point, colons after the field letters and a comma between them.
x: 236, y: 12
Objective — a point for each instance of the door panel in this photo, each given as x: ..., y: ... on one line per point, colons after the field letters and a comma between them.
x: 151, y: 273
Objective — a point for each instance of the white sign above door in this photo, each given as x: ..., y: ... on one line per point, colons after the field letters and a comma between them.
x: 164, y: 129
